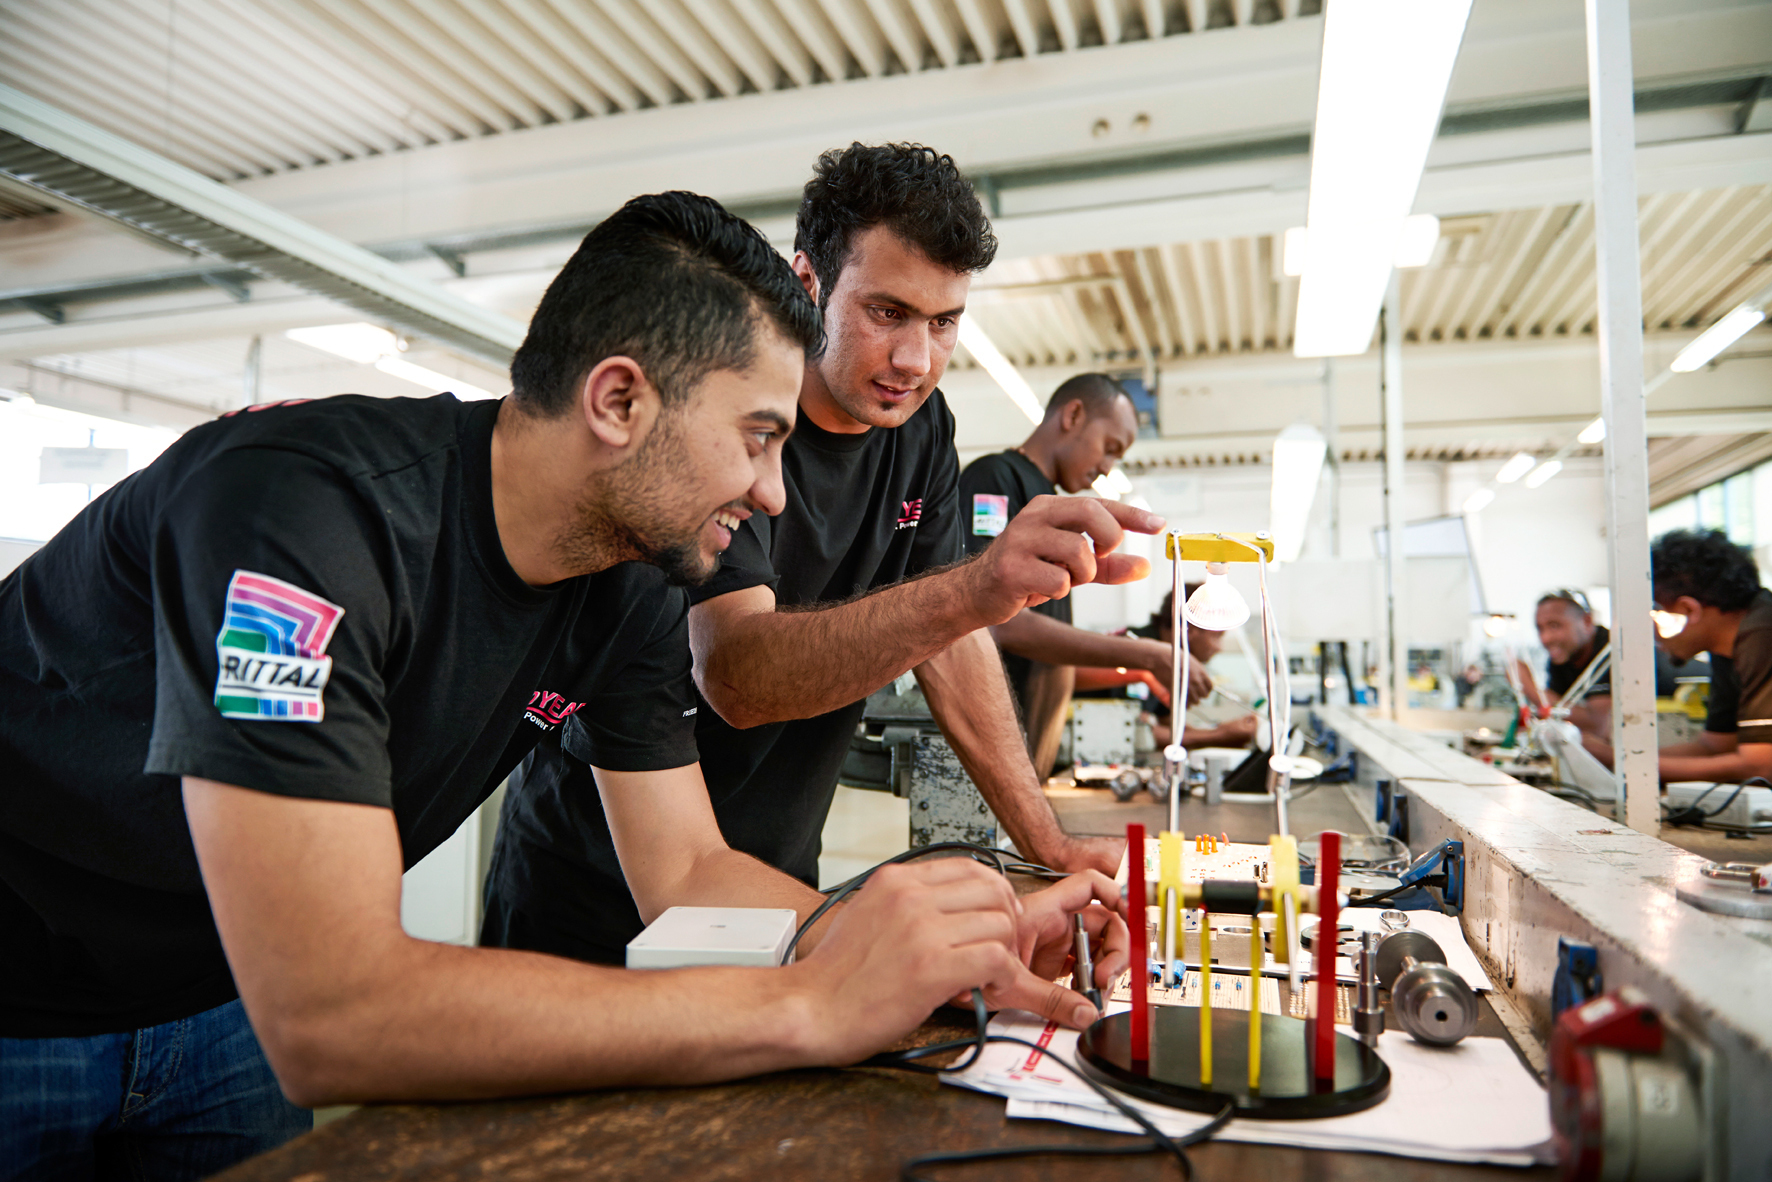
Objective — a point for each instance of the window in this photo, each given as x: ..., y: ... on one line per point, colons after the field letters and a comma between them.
x: 33, y: 512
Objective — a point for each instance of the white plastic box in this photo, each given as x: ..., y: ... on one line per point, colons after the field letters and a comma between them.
x: 685, y: 936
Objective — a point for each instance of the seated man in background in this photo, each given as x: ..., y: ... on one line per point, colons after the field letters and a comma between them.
x: 1202, y: 646
x: 248, y: 686
x: 1709, y: 600
x: 1572, y: 640
x: 1088, y: 425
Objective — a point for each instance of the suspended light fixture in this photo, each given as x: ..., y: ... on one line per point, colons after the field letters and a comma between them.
x: 1521, y: 463
x: 1593, y: 432
x: 1385, y: 67
x: 1216, y: 606
x: 370, y: 344
x: 1298, y: 466
x: 1543, y: 473
x: 1002, y: 370
x: 1718, y: 337
x: 1479, y: 500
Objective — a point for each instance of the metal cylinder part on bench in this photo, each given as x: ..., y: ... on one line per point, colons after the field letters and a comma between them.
x: 1432, y: 1001
x: 1368, y: 1010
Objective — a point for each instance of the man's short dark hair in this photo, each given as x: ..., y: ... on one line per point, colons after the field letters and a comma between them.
x: 671, y: 280
x: 1569, y: 595
x: 1706, y: 565
x: 1096, y: 391
x: 916, y: 192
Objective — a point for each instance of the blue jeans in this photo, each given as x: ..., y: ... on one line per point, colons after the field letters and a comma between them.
x: 182, y: 1100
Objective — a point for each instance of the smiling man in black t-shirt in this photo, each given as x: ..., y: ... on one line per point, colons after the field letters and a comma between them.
x: 248, y: 686
x: 851, y: 585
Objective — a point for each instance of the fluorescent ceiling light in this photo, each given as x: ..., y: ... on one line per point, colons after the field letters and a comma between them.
x: 1298, y: 464
x: 1416, y: 241
x: 1593, y: 432
x: 430, y: 379
x: 1495, y: 627
x: 1543, y: 473
x: 1716, y: 338
x: 1522, y: 463
x: 1292, y: 251
x: 1002, y: 370
x: 363, y: 343
x: 1113, y: 486
x: 1479, y: 500
x: 1385, y: 67
x: 370, y: 344
x: 1415, y: 244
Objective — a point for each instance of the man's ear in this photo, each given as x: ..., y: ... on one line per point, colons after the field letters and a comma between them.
x: 807, y: 276
x: 1072, y: 416
x: 618, y: 401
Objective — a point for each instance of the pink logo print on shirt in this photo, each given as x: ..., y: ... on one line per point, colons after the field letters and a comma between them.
x: 909, y: 514
x: 548, y: 710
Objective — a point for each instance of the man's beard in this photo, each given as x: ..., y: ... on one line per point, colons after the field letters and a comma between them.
x: 619, y: 519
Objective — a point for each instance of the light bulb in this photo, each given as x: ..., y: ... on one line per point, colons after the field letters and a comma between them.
x: 1216, y: 606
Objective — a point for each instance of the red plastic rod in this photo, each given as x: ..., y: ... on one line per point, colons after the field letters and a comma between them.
x: 1328, y: 882
x: 1141, y: 945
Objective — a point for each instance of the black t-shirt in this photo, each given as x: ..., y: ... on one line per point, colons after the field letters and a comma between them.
x: 1559, y: 677
x: 1741, y: 685
x: 308, y: 600
x: 993, y: 489
x: 863, y: 511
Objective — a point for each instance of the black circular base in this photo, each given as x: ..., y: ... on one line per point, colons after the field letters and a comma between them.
x: 1286, y: 1091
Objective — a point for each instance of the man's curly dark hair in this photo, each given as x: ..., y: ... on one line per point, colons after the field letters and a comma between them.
x: 915, y: 191
x: 1706, y: 565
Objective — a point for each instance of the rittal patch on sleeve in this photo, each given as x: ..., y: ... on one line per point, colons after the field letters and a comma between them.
x: 271, y: 650
x: 990, y: 514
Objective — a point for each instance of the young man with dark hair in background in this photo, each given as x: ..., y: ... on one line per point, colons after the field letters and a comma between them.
x: 851, y: 585
x: 1709, y: 599
x: 247, y: 687
x: 1203, y: 644
x: 1088, y: 426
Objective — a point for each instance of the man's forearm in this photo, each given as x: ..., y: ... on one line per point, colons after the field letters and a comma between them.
x: 1730, y: 767
x: 436, y: 1021
x: 1039, y: 637
x: 970, y: 700
x: 770, y: 665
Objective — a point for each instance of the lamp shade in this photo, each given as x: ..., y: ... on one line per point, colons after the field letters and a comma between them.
x: 1216, y: 606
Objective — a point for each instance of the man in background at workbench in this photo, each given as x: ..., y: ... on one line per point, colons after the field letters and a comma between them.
x: 1572, y: 641
x: 1203, y: 645
x: 247, y: 687
x: 851, y: 584
x: 1088, y: 426
x: 1708, y: 599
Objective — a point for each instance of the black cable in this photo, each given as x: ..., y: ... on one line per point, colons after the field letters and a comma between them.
x: 908, y: 1060
x: 1438, y: 880
x: 1693, y: 814
x: 837, y: 894
x: 1158, y: 1141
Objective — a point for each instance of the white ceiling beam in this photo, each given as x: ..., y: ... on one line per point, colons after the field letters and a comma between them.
x: 400, y: 54
x: 1107, y: 17
x: 898, y: 35
x: 978, y: 28
x: 1196, y: 15
x: 1021, y: 23
x: 933, y: 20
x: 602, y: 41
x: 808, y: 26
x: 135, y: 329
x: 515, y: 109
x: 1064, y: 23
x: 524, y: 55
x: 1155, y: 18
x: 506, y: 62
x: 865, y: 42
x: 700, y: 49
x: 636, y: 28
x: 741, y: 38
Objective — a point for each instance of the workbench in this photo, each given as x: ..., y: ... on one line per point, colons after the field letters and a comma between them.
x: 812, y: 1125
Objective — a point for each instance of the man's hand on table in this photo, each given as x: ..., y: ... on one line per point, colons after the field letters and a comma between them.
x: 921, y: 934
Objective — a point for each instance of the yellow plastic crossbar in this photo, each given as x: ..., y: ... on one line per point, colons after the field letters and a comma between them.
x: 1216, y: 547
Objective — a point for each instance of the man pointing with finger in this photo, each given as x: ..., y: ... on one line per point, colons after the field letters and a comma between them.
x: 857, y: 580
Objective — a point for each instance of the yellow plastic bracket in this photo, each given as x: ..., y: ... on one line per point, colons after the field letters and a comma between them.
x: 1216, y: 547
x: 1282, y: 861
x: 1169, y: 864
